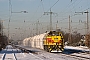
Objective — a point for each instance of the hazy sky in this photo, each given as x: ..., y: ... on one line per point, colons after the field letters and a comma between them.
x: 26, y: 23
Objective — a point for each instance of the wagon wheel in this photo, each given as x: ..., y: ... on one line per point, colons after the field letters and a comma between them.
x: 45, y: 47
x: 50, y: 48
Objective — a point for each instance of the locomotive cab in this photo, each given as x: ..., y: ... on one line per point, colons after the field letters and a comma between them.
x: 53, y: 41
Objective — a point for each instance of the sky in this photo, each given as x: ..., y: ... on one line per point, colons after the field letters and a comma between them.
x: 23, y: 25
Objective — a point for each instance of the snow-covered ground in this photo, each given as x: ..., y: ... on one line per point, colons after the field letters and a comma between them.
x: 15, y: 54
x: 82, y: 48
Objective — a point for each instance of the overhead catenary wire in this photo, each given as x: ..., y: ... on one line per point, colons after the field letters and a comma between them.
x: 42, y: 5
x: 74, y: 7
x: 54, y: 5
x: 35, y: 11
x: 65, y: 9
x: 70, y: 9
x: 68, y: 6
x: 49, y: 8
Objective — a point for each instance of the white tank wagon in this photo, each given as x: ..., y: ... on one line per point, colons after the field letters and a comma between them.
x: 26, y: 41
x: 35, y: 41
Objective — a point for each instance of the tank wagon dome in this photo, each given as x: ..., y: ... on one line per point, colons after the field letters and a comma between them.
x: 35, y: 41
x: 25, y: 41
x: 42, y: 36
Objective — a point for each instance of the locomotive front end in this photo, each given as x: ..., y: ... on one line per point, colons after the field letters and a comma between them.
x: 54, y: 41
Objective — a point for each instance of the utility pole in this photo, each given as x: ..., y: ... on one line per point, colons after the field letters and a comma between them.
x: 10, y: 13
x: 1, y: 27
x: 10, y: 9
x: 37, y: 23
x: 69, y: 40
x: 87, y: 22
x: 50, y: 18
x: 56, y: 25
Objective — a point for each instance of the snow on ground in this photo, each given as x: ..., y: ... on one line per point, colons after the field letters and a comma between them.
x: 52, y: 56
x: 15, y: 54
x: 82, y: 48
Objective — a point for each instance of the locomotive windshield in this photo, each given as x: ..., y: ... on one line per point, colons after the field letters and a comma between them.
x: 54, y: 33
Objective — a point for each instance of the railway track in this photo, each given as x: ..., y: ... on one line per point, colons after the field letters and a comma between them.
x: 17, y: 54
x: 77, y: 56
x: 20, y: 56
x: 80, y: 55
x: 68, y: 54
x: 6, y: 55
x: 9, y: 57
x: 38, y: 54
x: 43, y: 55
